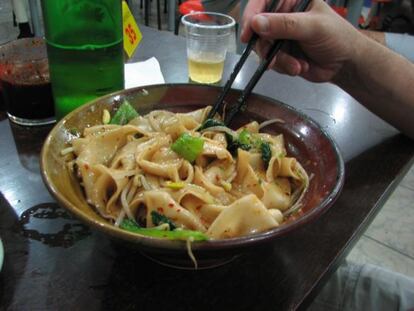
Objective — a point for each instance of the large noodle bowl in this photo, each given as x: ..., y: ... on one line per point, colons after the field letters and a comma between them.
x: 239, y: 182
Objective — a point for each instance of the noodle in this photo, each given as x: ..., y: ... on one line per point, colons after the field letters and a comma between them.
x: 190, y: 253
x: 124, y: 201
x: 159, y: 170
x: 268, y: 122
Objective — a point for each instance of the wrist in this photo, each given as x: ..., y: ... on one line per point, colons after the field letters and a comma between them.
x: 359, y: 51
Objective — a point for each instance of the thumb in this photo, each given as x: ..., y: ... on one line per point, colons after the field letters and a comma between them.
x: 291, y: 26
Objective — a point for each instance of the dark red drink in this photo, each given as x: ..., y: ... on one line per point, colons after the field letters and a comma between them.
x: 24, y: 81
x: 28, y: 99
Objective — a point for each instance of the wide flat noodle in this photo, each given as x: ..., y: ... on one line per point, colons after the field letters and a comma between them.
x: 163, y: 203
x: 99, y: 149
x: 248, y: 166
x: 131, y: 172
x: 277, y: 195
x: 245, y: 216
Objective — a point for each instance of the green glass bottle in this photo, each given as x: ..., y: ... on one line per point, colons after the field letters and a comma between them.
x: 85, y: 50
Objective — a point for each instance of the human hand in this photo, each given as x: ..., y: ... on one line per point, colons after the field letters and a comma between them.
x: 328, y: 41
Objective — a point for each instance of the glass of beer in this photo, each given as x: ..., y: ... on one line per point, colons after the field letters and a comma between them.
x: 85, y: 49
x: 208, y: 37
x: 24, y: 82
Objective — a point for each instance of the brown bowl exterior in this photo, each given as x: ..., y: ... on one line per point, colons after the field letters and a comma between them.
x: 304, y: 138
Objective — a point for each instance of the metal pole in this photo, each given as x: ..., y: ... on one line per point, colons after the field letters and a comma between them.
x: 35, y: 18
x: 172, y: 7
x: 354, y: 11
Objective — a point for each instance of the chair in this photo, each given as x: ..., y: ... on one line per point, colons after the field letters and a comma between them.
x: 147, y: 5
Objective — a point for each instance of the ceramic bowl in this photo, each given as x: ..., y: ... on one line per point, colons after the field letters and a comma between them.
x: 305, y: 140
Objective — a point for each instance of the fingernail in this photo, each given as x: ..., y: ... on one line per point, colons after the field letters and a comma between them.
x: 243, y: 29
x: 294, y: 69
x: 263, y: 23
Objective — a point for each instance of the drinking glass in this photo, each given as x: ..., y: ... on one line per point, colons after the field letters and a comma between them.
x: 24, y: 82
x: 208, y: 37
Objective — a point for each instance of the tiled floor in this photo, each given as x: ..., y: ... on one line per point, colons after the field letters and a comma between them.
x: 388, y: 242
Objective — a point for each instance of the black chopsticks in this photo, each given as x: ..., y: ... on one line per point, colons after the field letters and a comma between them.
x: 241, y: 101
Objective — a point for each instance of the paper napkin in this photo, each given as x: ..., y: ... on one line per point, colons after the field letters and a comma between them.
x: 143, y: 73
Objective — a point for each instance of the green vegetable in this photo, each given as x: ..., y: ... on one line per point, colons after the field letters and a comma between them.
x: 187, y: 146
x: 234, y: 143
x: 159, y: 219
x: 124, y: 114
x: 266, y: 153
x: 245, y: 138
x: 210, y: 123
x: 177, y: 234
x: 242, y: 141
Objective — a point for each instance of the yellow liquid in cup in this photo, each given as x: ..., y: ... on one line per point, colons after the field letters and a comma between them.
x: 203, y: 71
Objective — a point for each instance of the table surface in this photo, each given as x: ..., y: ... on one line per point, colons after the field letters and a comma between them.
x: 53, y: 261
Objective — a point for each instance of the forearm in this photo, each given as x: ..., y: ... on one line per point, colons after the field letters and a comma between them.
x: 376, y: 35
x: 383, y: 81
x: 402, y: 44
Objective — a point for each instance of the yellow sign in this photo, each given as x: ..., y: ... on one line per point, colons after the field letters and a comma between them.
x: 132, y: 34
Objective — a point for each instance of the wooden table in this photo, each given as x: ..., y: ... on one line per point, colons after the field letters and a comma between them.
x: 53, y: 262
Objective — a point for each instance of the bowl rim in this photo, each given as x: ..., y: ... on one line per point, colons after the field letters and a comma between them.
x: 173, y: 245
x: 1, y: 254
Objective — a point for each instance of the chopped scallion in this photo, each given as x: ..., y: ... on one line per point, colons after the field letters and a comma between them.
x: 124, y: 114
x: 177, y: 234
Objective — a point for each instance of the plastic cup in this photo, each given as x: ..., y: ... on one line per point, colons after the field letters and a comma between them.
x: 208, y: 36
x: 24, y: 82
